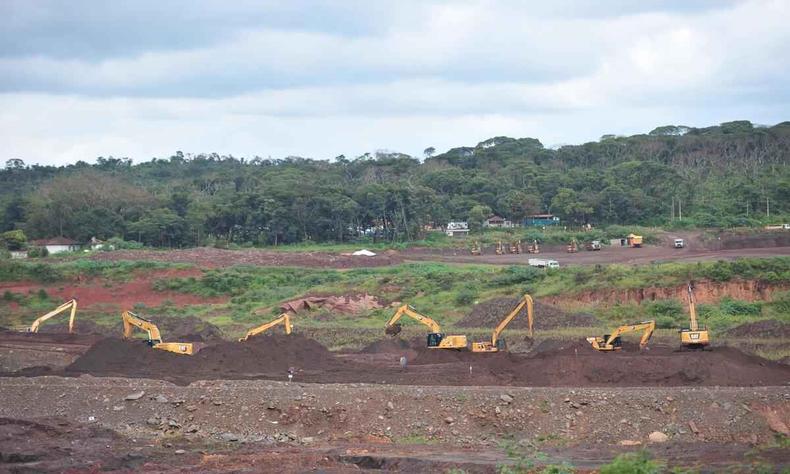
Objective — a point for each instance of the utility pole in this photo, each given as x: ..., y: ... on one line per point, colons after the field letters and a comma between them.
x: 672, y: 213
x: 767, y: 207
x: 680, y: 210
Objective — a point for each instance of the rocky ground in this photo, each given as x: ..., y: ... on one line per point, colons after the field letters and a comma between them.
x: 347, y: 424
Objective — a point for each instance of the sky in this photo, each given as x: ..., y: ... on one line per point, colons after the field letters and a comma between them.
x: 81, y: 79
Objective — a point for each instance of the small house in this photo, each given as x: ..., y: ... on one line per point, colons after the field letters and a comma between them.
x: 541, y: 220
x: 457, y: 229
x: 57, y: 245
x: 498, y: 222
x: 96, y: 244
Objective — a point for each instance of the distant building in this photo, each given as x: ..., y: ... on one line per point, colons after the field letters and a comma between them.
x: 457, y: 229
x: 96, y: 244
x: 498, y: 222
x: 18, y: 254
x: 541, y: 220
x: 57, y: 245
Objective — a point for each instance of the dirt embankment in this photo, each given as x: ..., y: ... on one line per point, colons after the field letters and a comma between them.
x: 732, y: 240
x: 487, y: 314
x: 762, y: 329
x: 209, y: 257
x: 704, y: 291
x: 559, y: 364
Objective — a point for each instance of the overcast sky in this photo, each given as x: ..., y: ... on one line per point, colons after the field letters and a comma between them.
x: 81, y: 79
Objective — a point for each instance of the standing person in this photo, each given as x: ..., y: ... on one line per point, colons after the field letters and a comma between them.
x: 403, y: 363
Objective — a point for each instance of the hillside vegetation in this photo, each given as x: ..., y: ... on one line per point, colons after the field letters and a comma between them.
x: 722, y: 176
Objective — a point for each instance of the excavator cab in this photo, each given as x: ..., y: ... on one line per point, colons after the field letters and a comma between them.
x: 617, y: 343
x: 435, y: 339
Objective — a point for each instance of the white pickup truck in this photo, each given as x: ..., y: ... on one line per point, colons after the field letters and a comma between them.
x: 543, y: 263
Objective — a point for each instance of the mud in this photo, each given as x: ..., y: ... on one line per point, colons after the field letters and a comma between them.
x: 488, y: 314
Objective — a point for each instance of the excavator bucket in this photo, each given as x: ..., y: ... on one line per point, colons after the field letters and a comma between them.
x: 394, y: 330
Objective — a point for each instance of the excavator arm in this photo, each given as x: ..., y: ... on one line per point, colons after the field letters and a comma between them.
x: 393, y: 327
x: 284, y: 319
x: 436, y: 339
x: 131, y: 320
x: 69, y: 305
x: 493, y: 346
x: 694, y: 337
x: 611, y: 342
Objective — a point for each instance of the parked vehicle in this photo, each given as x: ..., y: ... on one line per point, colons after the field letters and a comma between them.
x: 679, y: 243
x: 543, y: 263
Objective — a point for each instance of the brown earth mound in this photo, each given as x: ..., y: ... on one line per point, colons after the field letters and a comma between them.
x: 80, y: 327
x: 768, y: 328
x: 389, y: 345
x: 488, y: 314
x: 263, y: 356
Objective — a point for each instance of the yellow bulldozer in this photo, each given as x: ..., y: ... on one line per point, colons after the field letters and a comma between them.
x: 436, y: 338
x: 497, y: 343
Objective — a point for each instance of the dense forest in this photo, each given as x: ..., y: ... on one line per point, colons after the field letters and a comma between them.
x: 724, y: 176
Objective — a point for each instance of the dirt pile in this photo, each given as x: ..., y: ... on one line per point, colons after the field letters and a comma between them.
x: 344, y: 304
x: 388, y: 345
x: 768, y: 328
x: 487, y: 314
x: 265, y: 356
x: 80, y: 327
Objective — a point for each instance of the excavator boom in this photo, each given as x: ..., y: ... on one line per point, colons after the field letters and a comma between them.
x: 611, y: 342
x: 436, y: 339
x: 131, y: 320
x: 284, y: 319
x: 495, y: 344
x: 69, y: 305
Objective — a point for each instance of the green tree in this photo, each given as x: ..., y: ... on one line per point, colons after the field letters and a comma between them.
x: 478, y: 215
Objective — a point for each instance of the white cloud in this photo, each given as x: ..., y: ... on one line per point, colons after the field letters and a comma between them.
x: 393, y: 75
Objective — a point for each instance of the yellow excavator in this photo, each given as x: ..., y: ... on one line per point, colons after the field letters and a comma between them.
x: 498, y: 344
x: 69, y: 305
x: 612, y: 342
x: 436, y: 338
x: 695, y: 336
x: 284, y: 319
x: 131, y: 320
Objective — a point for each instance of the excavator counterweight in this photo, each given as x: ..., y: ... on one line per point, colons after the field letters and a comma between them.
x: 436, y: 338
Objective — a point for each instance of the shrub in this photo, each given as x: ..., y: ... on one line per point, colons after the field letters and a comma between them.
x: 466, y: 296
x: 518, y: 274
x: 733, y: 307
x: 37, y: 252
x: 632, y: 463
x: 719, y: 271
x: 117, y: 243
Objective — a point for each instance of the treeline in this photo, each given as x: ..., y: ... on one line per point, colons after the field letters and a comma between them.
x: 718, y: 176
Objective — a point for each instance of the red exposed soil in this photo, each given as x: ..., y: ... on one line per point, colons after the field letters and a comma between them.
x: 488, y: 314
x: 120, y: 295
x: 208, y: 257
x: 704, y: 291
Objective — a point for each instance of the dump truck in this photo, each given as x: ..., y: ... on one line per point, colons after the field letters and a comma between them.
x: 634, y: 241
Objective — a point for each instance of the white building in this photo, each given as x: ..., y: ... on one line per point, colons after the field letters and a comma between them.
x: 57, y: 245
x: 457, y: 229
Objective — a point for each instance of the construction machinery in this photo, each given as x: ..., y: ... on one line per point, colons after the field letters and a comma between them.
x: 533, y: 247
x: 436, y: 338
x: 634, y: 241
x: 69, y: 305
x: 612, y: 342
x: 131, y: 320
x: 476, y: 250
x: 499, y: 250
x: 498, y: 344
x: 573, y: 247
x: 593, y: 245
x: 515, y: 247
x: 694, y: 336
x: 284, y: 319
